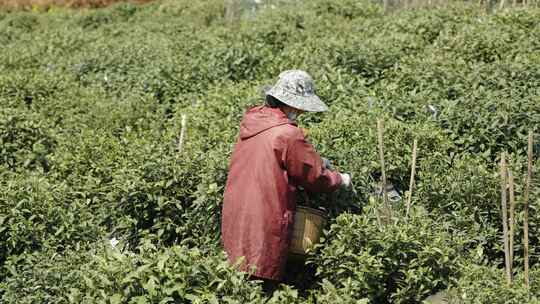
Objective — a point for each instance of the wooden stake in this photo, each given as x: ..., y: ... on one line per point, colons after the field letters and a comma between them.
x: 511, y: 220
x: 526, y: 210
x: 380, y: 128
x: 231, y: 11
x: 182, y: 133
x: 413, y: 173
x: 505, y: 218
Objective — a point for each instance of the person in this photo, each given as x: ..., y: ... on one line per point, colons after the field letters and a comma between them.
x: 270, y: 161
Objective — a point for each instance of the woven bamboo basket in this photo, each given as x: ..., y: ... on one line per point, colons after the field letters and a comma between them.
x: 307, y: 230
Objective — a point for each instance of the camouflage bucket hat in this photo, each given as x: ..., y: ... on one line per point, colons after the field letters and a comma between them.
x: 296, y: 88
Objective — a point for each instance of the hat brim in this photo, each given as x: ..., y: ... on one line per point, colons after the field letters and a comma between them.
x: 310, y: 103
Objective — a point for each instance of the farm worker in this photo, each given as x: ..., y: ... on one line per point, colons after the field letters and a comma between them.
x: 270, y: 160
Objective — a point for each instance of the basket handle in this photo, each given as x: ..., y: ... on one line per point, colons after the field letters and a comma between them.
x: 305, y: 196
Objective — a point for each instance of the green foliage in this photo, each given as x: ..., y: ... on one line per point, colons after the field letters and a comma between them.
x: 398, y: 262
x: 25, y: 142
x: 90, y: 114
x: 149, y: 275
x: 486, y: 284
x: 38, y: 214
x: 348, y: 9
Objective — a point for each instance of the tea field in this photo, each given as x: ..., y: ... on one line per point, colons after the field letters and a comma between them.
x: 98, y: 205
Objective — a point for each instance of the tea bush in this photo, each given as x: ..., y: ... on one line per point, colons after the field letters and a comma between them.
x: 400, y: 261
x: 26, y: 142
x: 90, y: 116
x: 103, y: 274
x: 486, y: 284
x: 38, y: 214
x: 107, y: 275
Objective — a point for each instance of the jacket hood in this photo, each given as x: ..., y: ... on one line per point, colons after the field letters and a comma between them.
x: 261, y: 118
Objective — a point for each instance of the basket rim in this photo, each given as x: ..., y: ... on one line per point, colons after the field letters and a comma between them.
x: 312, y: 211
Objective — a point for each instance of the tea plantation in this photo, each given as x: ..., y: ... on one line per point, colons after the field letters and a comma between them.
x: 90, y: 115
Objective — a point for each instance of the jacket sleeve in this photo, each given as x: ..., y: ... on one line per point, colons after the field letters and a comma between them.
x: 305, y: 168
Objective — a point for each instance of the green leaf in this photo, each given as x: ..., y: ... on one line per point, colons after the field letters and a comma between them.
x: 116, y: 298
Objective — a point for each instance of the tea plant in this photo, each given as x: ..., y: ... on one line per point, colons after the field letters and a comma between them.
x: 389, y: 260
x: 90, y: 114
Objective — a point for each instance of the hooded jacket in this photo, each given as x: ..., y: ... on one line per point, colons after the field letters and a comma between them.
x: 269, y: 161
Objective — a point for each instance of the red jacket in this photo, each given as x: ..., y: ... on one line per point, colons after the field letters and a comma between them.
x: 269, y: 160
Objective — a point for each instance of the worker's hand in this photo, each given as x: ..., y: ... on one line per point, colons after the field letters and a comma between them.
x: 345, y: 180
x: 326, y: 163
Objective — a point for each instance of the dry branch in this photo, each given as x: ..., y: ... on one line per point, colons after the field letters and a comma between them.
x: 511, y: 219
x: 413, y: 173
x: 526, y: 211
x: 46, y: 4
x: 505, y: 218
x: 380, y: 131
x: 182, y: 133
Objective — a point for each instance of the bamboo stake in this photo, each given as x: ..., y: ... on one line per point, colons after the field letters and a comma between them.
x: 380, y: 128
x: 182, y: 133
x: 526, y: 211
x: 505, y: 218
x: 413, y: 173
x: 511, y: 219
